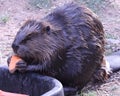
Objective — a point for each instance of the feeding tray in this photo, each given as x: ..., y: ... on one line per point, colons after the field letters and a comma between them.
x: 31, y: 84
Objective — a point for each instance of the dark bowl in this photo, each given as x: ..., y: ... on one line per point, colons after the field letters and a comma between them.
x: 32, y: 84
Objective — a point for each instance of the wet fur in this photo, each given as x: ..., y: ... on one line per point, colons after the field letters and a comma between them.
x: 67, y: 44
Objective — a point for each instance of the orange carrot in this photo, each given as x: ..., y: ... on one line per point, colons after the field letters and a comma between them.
x: 12, y: 65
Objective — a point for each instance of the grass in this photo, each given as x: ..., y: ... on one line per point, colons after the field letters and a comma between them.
x: 4, y: 19
x: 91, y: 93
x: 110, y: 36
x: 41, y: 3
x: 96, y: 5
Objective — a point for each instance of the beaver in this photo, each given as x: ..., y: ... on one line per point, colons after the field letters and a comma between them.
x: 67, y: 44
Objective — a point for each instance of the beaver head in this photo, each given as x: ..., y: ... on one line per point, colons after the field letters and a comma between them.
x: 37, y: 42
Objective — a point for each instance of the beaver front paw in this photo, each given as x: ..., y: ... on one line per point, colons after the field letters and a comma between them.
x: 16, y: 63
x: 21, y: 66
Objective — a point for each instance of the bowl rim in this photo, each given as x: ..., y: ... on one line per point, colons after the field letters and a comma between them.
x: 55, y: 90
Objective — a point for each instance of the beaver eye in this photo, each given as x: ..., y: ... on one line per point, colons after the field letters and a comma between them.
x: 28, y: 37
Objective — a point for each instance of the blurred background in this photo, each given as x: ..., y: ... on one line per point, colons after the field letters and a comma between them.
x: 13, y: 13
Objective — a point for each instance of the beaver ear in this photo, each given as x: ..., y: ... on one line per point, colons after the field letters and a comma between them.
x: 47, y: 30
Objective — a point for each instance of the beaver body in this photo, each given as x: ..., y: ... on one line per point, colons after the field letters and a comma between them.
x: 67, y: 44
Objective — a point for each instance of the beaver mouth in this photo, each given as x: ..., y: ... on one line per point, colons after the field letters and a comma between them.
x: 28, y: 57
x: 29, y: 60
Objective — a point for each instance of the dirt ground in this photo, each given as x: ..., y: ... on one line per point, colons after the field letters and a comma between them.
x: 13, y: 13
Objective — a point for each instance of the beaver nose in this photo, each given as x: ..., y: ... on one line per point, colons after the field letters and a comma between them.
x: 15, y: 46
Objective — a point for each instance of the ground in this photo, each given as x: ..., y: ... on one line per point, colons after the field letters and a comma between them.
x: 13, y: 13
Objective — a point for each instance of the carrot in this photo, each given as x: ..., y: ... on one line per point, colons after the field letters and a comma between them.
x: 13, y: 62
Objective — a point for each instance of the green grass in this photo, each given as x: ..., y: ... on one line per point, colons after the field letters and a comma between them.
x: 90, y: 93
x: 96, y: 5
x: 4, y: 19
x: 110, y: 36
x: 41, y: 3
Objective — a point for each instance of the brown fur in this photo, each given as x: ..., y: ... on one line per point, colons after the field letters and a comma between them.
x: 67, y: 44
